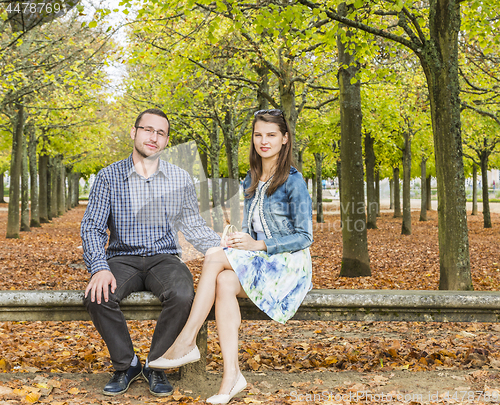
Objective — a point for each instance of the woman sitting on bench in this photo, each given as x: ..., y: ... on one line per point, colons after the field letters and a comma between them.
x: 268, y: 262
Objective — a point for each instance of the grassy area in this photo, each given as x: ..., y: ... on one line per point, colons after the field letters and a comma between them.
x: 495, y: 200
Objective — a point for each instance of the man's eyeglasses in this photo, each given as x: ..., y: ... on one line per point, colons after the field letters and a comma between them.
x: 151, y: 130
x: 273, y: 111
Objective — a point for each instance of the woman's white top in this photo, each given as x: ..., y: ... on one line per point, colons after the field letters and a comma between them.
x: 256, y: 222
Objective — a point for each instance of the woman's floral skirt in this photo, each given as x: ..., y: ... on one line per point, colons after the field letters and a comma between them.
x: 277, y: 283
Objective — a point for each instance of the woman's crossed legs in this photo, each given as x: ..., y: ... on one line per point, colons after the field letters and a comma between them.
x: 218, y: 283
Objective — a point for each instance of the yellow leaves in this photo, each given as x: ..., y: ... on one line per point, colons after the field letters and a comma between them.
x: 41, y: 391
x: 331, y: 360
x: 447, y: 353
x: 252, y: 401
x: 55, y: 383
x: 253, y: 364
x: 32, y: 397
x: 45, y: 388
x: 4, y: 365
x: 89, y: 357
x: 177, y: 396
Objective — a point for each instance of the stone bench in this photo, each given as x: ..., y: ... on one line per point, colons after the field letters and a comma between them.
x: 320, y: 305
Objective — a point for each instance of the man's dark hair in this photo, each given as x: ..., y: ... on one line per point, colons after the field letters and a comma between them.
x: 154, y: 111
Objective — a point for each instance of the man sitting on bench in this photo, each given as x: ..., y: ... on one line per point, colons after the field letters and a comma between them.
x: 143, y: 201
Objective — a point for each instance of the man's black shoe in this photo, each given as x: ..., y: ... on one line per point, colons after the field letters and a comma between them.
x: 158, y: 383
x: 121, y: 380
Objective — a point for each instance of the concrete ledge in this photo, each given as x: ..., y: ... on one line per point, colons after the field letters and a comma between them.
x: 326, y: 305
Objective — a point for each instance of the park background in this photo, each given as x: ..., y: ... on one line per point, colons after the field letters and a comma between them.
x: 395, y: 103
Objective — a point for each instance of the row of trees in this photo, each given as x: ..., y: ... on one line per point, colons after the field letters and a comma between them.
x: 219, y: 62
x: 368, y: 88
x: 52, y: 97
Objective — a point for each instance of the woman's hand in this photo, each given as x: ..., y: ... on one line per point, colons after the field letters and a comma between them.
x: 243, y: 241
x: 223, y: 242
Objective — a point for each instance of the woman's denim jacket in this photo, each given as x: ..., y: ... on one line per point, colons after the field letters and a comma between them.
x: 286, y: 215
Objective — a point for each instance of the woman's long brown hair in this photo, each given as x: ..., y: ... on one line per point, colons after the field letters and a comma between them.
x: 284, y: 161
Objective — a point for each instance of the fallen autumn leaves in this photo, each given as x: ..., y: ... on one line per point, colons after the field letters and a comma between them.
x: 50, y: 258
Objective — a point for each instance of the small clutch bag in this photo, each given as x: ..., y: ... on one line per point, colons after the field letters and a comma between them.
x: 228, y: 230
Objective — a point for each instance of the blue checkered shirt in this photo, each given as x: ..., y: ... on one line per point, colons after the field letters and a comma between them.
x: 143, y: 215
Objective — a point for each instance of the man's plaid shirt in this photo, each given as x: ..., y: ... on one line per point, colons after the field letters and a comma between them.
x: 143, y: 215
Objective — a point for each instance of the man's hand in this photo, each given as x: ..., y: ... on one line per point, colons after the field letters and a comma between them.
x: 99, y: 286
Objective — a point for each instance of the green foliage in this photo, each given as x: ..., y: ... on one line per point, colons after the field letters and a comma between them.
x: 57, y: 72
x: 204, y: 60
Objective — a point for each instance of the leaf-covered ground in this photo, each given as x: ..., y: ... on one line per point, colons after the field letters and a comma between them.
x: 50, y: 258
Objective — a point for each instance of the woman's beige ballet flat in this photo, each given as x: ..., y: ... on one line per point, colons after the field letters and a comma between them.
x: 162, y: 363
x: 240, y: 385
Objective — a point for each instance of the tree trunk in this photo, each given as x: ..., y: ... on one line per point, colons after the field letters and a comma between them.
x: 2, y: 188
x: 61, y: 188
x: 318, y: 158
x: 15, y: 174
x: 397, y: 197
x: 423, y: 189
x: 263, y: 72
x: 25, y: 211
x: 204, y: 190
x: 300, y: 159
x: 234, y: 200
x: 429, y: 193
x: 231, y: 141
x: 355, y: 259
x: 439, y: 58
x: 406, y: 224
x: 339, y: 178
x: 377, y: 190
x: 34, y: 197
x: 286, y: 86
x: 75, y: 198
x: 486, y: 198
x: 49, y: 188
x: 223, y: 184
x: 371, y: 222
x: 217, y: 214
x: 474, y: 189
x: 69, y: 187
x: 25, y: 189
x: 314, y: 190
x: 54, y: 177
x: 391, y: 193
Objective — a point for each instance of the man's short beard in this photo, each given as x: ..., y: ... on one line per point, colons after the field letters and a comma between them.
x: 140, y: 152
x: 153, y: 156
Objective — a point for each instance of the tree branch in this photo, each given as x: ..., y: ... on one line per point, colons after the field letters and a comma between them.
x: 415, y: 23
x: 363, y: 27
x: 482, y: 112
x: 322, y: 104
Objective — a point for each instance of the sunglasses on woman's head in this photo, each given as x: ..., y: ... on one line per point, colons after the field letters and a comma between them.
x: 273, y: 111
